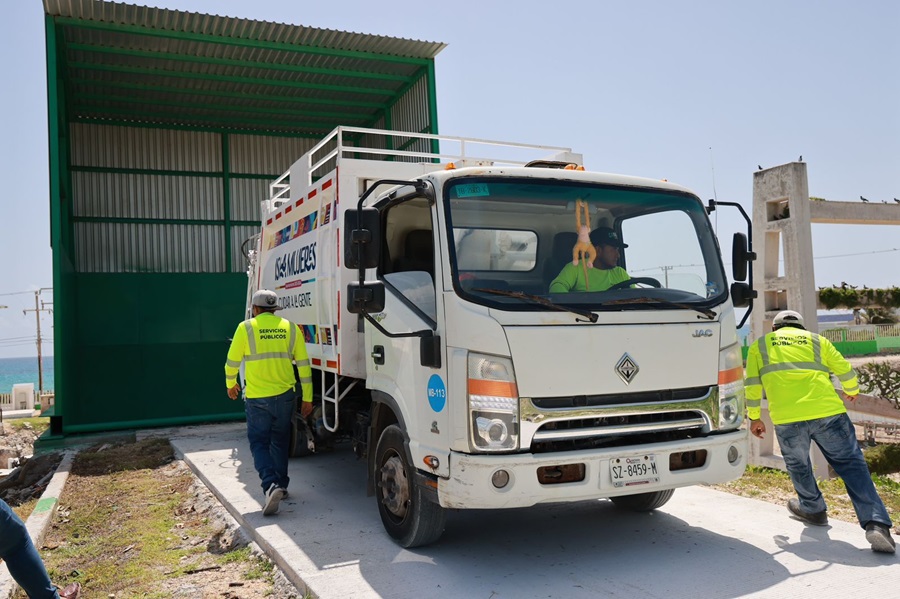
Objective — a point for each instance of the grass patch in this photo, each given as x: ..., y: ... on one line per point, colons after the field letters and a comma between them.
x: 260, y: 568
x: 129, y: 524
x: 38, y: 423
x: 23, y: 510
x: 774, y: 486
x: 118, y: 526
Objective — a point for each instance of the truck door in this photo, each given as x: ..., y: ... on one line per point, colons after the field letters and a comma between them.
x: 410, y: 269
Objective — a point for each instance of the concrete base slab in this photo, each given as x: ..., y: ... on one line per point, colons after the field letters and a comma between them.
x: 329, y: 540
x: 8, y: 414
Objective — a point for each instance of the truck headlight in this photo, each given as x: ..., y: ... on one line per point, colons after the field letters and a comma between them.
x: 493, y: 403
x: 731, y: 387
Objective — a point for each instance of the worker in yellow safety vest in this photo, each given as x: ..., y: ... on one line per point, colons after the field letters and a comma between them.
x: 269, y: 347
x: 794, y: 366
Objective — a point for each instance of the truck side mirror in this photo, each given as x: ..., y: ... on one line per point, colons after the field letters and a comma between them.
x: 740, y: 257
x: 365, y: 297
x: 362, y: 239
x: 741, y: 294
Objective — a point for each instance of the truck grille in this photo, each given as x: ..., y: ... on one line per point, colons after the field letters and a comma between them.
x: 587, y: 401
x: 584, y: 422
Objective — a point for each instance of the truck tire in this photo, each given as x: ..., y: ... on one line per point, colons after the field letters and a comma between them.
x: 643, y: 502
x: 299, y: 448
x: 408, y: 517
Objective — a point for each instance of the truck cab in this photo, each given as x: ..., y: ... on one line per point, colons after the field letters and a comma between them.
x: 466, y: 382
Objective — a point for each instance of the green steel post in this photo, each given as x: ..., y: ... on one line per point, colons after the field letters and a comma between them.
x: 60, y: 312
x: 226, y: 199
x: 432, y: 107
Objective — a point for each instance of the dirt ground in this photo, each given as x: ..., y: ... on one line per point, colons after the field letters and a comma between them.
x: 30, y: 480
x: 217, y: 560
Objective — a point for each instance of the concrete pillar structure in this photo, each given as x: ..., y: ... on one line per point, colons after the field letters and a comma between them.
x: 782, y: 219
x: 781, y: 224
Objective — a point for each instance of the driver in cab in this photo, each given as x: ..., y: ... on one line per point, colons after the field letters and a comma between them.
x: 602, y: 274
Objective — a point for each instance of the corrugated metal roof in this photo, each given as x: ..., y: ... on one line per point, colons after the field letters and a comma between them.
x: 248, y: 29
x: 126, y: 63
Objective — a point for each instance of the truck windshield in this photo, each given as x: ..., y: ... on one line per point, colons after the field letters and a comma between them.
x: 651, y: 248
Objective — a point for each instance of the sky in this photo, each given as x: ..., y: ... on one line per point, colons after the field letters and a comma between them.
x: 699, y: 93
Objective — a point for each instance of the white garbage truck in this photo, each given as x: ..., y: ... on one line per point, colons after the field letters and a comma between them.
x: 418, y: 268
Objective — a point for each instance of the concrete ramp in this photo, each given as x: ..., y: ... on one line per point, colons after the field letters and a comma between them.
x: 703, y: 544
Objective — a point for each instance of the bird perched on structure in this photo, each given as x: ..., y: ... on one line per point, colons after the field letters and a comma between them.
x: 896, y: 200
x: 759, y: 166
x: 863, y: 199
x: 800, y: 159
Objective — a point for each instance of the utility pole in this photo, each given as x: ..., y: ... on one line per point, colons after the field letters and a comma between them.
x: 666, y: 270
x: 38, y: 308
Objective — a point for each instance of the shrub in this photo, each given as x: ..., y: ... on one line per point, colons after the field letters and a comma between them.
x: 882, y: 379
x: 884, y: 458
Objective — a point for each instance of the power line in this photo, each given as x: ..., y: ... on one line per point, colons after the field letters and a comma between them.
x: 669, y: 267
x: 21, y: 292
x: 857, y: 254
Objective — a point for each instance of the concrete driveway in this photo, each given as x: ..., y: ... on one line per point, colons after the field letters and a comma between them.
x: 703, y: 544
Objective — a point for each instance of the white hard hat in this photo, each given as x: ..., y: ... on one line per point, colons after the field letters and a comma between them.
x: 787, y: 317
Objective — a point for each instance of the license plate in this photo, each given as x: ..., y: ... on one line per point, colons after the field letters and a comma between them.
x: 633, y: 470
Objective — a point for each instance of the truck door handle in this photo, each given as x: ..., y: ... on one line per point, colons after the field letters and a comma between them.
x: 378, y: 354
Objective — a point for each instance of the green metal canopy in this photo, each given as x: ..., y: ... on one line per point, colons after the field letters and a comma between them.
x: 135, y: 64
x: 165, y: 129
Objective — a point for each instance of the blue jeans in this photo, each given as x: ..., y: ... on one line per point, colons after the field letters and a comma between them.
x: 22, y: 558
x: 269, y: 433
x: 836, y: 437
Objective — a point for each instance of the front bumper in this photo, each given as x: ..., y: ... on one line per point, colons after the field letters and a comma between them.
x: 469, y: 485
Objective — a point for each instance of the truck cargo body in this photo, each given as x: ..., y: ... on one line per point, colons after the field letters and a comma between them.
x: 503, y: 394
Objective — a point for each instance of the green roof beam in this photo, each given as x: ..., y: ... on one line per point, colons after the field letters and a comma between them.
x: 148, y: 71
x: 184, y: 118
x: 162, y: 221
x: 227, y: 94
x: 277, y: 132
x: 237, y: 63
x: 344, y: 116
x: 169, y: 173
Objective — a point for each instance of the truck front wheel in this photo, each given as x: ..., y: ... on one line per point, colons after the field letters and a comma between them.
x: 643, y: 502
x: 410, y: 518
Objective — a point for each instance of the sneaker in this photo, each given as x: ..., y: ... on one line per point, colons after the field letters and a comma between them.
x: 879, y: 535
x: 818, y: 518
x: 273, y: 498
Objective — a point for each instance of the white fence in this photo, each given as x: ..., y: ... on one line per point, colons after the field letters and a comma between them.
x: 868, y: 332
x: 25, y: 398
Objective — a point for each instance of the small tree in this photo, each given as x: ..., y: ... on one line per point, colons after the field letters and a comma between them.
x: 879, y: 316
x: 881, y: 379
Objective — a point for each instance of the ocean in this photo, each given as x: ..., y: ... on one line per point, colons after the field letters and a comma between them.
x: 24, y: 370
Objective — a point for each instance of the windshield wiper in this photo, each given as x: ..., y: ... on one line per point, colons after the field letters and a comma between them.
x: 648, y: 300
x: 541, y: 300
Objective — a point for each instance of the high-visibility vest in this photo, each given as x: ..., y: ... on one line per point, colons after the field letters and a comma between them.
x: 269, y: 346
x: 571, y: 278
x: 794, y: 367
